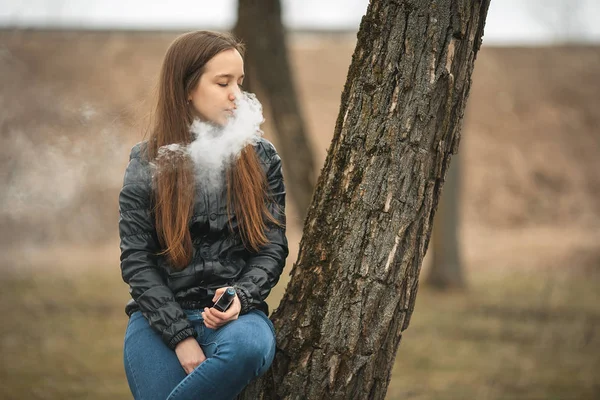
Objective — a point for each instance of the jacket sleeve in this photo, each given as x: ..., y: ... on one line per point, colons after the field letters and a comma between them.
x: 139, y: 267
x: 264, y: 267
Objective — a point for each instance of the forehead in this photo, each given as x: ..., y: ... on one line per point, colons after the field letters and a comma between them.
x: 226, y: 62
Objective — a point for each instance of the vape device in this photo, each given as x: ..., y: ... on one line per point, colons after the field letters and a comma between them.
x: 225, y: 300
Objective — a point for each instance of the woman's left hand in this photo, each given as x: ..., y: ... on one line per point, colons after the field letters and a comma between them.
x: 214, y: 318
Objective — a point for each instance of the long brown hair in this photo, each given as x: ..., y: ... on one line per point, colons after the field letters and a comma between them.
x: 173, y: 182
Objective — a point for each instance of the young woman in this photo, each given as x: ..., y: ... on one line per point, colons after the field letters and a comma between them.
x: 183, y: 245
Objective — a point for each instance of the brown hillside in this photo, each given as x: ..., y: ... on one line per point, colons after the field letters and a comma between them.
x: 73, y: 104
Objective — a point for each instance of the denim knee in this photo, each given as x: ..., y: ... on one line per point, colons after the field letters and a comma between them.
x: 251, y: 343
x: 256, y: 350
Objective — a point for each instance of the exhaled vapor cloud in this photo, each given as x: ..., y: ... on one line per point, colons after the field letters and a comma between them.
x: 216, y: 147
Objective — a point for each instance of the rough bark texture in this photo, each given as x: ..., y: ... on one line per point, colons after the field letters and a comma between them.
x: 259, y: 25
x: 446, y: 270
x: 353, y: 288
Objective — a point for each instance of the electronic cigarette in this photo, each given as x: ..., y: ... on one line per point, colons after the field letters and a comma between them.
x: 225, y: 300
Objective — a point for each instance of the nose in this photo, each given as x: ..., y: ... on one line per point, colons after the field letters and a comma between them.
x: 235, y: 93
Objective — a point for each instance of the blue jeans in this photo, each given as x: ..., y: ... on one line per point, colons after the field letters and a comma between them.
x: 235, y: 354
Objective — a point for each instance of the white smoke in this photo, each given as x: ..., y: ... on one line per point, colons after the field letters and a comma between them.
x: 216, y: 147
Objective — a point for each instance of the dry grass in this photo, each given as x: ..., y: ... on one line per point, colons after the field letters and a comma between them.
x: 514, y: 335
x: 62, y: 338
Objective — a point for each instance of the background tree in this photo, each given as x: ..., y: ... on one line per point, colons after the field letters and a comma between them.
x: 353, y: 288
x: 268, y: 71
x: 446, y: 271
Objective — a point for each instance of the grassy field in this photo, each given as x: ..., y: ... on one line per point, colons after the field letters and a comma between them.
x: 513, y: 335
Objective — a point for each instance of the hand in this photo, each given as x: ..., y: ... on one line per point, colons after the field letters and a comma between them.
x: 190, y: 354
x: 214, y: 318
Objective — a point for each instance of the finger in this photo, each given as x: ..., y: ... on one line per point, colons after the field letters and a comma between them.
x: 217, y: 315
x: 209, y: 319
x: 217, y: 323
x: 212, y: 325
x: 208, y: 315
x: 230, y: 314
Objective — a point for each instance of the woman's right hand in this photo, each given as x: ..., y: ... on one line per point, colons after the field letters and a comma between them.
x: 190, y: 354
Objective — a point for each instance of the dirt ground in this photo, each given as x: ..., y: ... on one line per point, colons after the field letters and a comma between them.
x: 74, y: 102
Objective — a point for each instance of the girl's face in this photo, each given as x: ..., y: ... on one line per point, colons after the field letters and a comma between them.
x: 214, y: 97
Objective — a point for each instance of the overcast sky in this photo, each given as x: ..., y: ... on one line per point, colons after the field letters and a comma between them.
x: 509, y: 21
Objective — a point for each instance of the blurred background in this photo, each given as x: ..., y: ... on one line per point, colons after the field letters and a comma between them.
x: 509, y: 300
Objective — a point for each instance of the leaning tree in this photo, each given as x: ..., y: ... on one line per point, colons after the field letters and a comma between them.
x: 268, y: 71
x: 353, y: 288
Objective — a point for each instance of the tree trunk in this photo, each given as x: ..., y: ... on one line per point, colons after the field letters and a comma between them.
x: 353, y: 288
x: 259, y: 25
x: 446, y: 270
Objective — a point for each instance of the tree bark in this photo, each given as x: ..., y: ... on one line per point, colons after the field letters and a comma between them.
x: 267, y: 63
x: 353, y: 288
x: 446, y: 270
